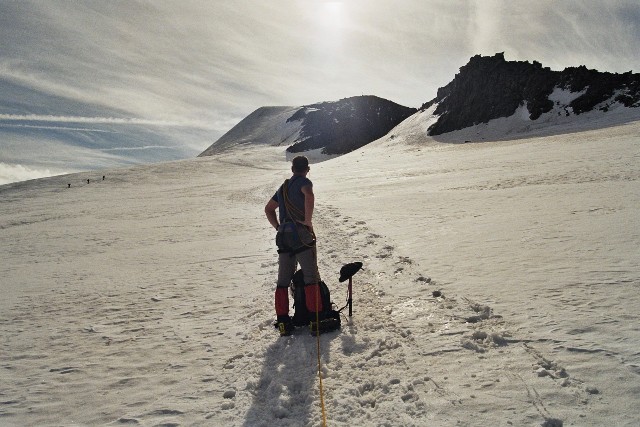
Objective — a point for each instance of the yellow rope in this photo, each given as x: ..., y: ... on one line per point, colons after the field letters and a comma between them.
x: 324, y: 413
x: 293, y: 211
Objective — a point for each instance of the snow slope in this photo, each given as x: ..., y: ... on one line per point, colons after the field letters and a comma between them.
x: 146, y: 298
x: 560, y: 120
x: 266, y: 125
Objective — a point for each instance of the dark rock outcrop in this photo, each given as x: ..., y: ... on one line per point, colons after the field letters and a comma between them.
x: 489, y: 87
x: 346, y: 125
x: 337, y: 127
x: 486, y: 88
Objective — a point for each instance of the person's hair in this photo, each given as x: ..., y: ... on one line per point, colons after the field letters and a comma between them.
x: 299, y: 164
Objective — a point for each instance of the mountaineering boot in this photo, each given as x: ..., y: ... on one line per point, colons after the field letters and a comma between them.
x: 283, y: 322
x: 284, y: 326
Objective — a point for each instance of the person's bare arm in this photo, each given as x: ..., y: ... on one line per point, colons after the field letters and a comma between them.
x: 309, y: 200
x: 270, y: 211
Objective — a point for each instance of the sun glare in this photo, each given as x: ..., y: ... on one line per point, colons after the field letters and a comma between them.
x: 331, y: 14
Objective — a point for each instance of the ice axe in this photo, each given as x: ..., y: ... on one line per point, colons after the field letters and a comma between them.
x: 346, y: 272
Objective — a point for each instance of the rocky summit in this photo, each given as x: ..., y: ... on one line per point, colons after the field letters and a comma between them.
x: 485, y: 89
x: 331, y: 128
x: 346, y: 125
x: 489, y: 87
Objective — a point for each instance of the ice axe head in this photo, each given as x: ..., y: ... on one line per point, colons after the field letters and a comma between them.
x: 348, y: 270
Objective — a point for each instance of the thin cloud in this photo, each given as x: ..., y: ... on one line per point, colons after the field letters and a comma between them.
x: 189, y: 71
x: 66, y: 128
x: 196, y: 61
x: 146, y: 147
x: 601, y: 35
x: 101, y: 120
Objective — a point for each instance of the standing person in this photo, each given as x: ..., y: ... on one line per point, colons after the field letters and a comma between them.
x: 294, y: 201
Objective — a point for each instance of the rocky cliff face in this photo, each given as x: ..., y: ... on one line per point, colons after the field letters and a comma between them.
x: 487, y: 88
x: 346, y: 125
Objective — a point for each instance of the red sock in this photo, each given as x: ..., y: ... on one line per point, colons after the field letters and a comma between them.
x: 312, y: 298
x: 282, y: 301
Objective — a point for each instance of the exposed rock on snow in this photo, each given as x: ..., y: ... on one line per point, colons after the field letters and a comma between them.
x: 489, y: 99
x: 489, y: 88
x: 329, y: 128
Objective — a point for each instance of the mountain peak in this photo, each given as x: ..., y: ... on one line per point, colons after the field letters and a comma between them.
x: 490, y: 87
x: 342, y: 126
x: 332, y: 128
x: 485, y: 89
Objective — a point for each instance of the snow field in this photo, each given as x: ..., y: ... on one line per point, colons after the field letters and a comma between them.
x: 147, y: 298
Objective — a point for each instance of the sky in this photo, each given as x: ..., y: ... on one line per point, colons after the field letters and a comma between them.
x: 93, y: 84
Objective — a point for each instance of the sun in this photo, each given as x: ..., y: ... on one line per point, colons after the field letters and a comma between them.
x: 331, y: 14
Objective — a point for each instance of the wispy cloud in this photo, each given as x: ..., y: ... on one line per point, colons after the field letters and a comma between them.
x: 601, y: 35
x: 101, y: 120
x: 44, y: 127
x: 192, y: 69
x: 202, y: 61
x: 144, y: 147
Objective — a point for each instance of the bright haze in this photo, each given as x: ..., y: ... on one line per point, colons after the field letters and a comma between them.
x: 93, y: 84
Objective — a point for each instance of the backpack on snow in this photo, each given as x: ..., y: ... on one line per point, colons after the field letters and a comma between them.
x: 302, y: 316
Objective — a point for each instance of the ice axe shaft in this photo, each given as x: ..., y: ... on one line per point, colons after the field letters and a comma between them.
x: 350, y: 297
x: 346, y: 272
